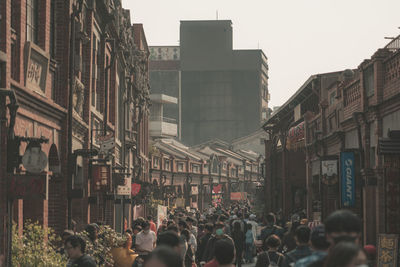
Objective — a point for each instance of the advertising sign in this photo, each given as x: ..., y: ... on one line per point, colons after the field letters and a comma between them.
x: 329, y: 172
x: 195, y: 190
x: 238, y: 196
x: 161, y: 214
x: 135, y: 189
x: 125, y: 190
x: 101, y: 177
x: 387, y: 250
x: 25, y: 186
x: 347, y: 179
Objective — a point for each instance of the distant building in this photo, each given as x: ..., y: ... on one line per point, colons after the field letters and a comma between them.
x: 224, y: 91
x: 165, y: 78
x: 161, y: 126
x: 252, y: 142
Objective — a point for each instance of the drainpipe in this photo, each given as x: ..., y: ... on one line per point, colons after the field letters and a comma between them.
x: 76, y: 10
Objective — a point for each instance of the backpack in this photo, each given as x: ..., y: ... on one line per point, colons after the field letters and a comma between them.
x: 272, y: 263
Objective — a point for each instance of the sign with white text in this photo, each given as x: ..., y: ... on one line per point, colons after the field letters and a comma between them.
x: 347, y: 179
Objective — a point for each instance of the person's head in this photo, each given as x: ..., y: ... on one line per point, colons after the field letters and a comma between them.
x: 66, y: 234
x: 185, y: 233
x: 302, y: 235
x: 222, y: 218
x: 169, y: 222
x: 74, y: 247
x: 163, y: 256
x: 318, y: 238
x: 342, y: 225
x: 270, y: 218
x: 92, y: 230
x: 129, y: 231
x: 237, y: 227
x: 219, y: 229
x: 346, y: 254
x: 249, y: 226
x: 189, y: 221
x: 128, y: 242
x: 149, y: 218
x: 272, y: 242
x: 173, y: 227
x: 169, y: 239
x: 252, y: 217
x: 224, y: 252
x: 370, y: 251
x: 136, y: 229
x: 182, y: 225
x: 209, y: 228
x: 146, y: 227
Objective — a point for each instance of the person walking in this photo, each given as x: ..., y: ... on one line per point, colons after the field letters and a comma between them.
x: 302, y: 237
x: 249, y: 243
x: 271, y: 256
x: 75, y: 246
x: 239, y: 239
x: 145, y: 240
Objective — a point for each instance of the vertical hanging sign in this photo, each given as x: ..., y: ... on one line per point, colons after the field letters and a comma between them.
x: 347, y: 179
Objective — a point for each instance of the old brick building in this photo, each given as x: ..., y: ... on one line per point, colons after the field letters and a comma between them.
x: 74, y: 82
x: 343, y: 140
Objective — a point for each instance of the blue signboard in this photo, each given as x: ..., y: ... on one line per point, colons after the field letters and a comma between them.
x: 347, y: 179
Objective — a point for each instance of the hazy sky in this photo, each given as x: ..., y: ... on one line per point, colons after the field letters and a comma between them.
x: 299, y: 37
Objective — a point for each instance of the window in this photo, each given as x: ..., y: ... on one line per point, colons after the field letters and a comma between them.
x: 262, y: 141
x: 14, y: 61
x: 332, y: 98
x: 369, y: 81
x: 167, y: 165
x: 233, y: 172
x: 156, y: 162
x: 224, y: 166
x: 180, y: 166
x: 32, y: 20
x: 206, y: 166
x: 195, y: 168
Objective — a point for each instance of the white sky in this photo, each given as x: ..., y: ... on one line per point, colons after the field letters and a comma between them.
x: 299, y: 37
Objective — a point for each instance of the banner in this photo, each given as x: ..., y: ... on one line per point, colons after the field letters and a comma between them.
x: 28, y: 186
x: 238, y: 196
x: 347, y: 179
x: 161, y: 214
x: 217, y: 189
x: 135, y: 189
x: 387, y: 250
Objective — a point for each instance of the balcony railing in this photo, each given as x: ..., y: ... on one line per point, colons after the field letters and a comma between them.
x: 394, y: 45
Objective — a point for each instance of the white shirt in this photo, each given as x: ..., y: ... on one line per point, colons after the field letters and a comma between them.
x: 145, y: 242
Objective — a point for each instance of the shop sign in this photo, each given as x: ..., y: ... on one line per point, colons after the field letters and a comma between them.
x: 34, y: 159
x: 329, y: 172
x: 237, y: 196
x: 195, y: 190
x: 161, y: 214
x: 25, y: 186
x: 296, y: 133
x: 101, y: 178
x: 347, y: 179
x: 135, y: 189
x: 217, y: 189
x: 387, y: 250
x: 125, y: 189
x: 180, y: 203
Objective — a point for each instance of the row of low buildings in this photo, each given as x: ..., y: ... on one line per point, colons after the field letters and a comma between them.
x: 196, y: 177
x: 74, y: 91
x: 335, y: 144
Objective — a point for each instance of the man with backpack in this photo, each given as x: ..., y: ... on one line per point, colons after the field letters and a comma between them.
x: 271, y: 257
x: 271, y: 228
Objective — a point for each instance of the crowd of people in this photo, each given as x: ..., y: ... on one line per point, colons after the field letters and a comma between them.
x: 221, y: 237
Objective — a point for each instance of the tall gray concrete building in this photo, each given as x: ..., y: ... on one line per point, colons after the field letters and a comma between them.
x: 224, y: 91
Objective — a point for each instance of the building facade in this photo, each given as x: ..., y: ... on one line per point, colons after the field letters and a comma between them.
x: 74, y: 90
x: 348, y: 143
x: 224, y: 91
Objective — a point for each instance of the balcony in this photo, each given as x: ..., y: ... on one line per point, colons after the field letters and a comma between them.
x: 162, y: 127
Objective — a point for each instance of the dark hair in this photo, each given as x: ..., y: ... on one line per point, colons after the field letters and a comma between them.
x: 249, y: 226
x: 185, y: 233
x: 222, y: 218
x: 173, y: 227
x: 209, y: 227
x: 129, y: 231
x: 137, y: 227
x: 91, y: 230
x: 237, y: 227
x: 166, y: 255
x: 270, y: 218
x: 224, y: 251
x: 303, y: 234
x: 273, y: 241
x: 76, y: 241
x: 169, y: 222
x: 183, y: 224
x: 145, y: 224
x: 149, y: 218
x: 343, y: 221
x: 168, y: 238
x: 342, y: 254
x: 67, y: 233
x: 219, y: 225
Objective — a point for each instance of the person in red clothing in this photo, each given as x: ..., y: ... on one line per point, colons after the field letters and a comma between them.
x: 153, y: 226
